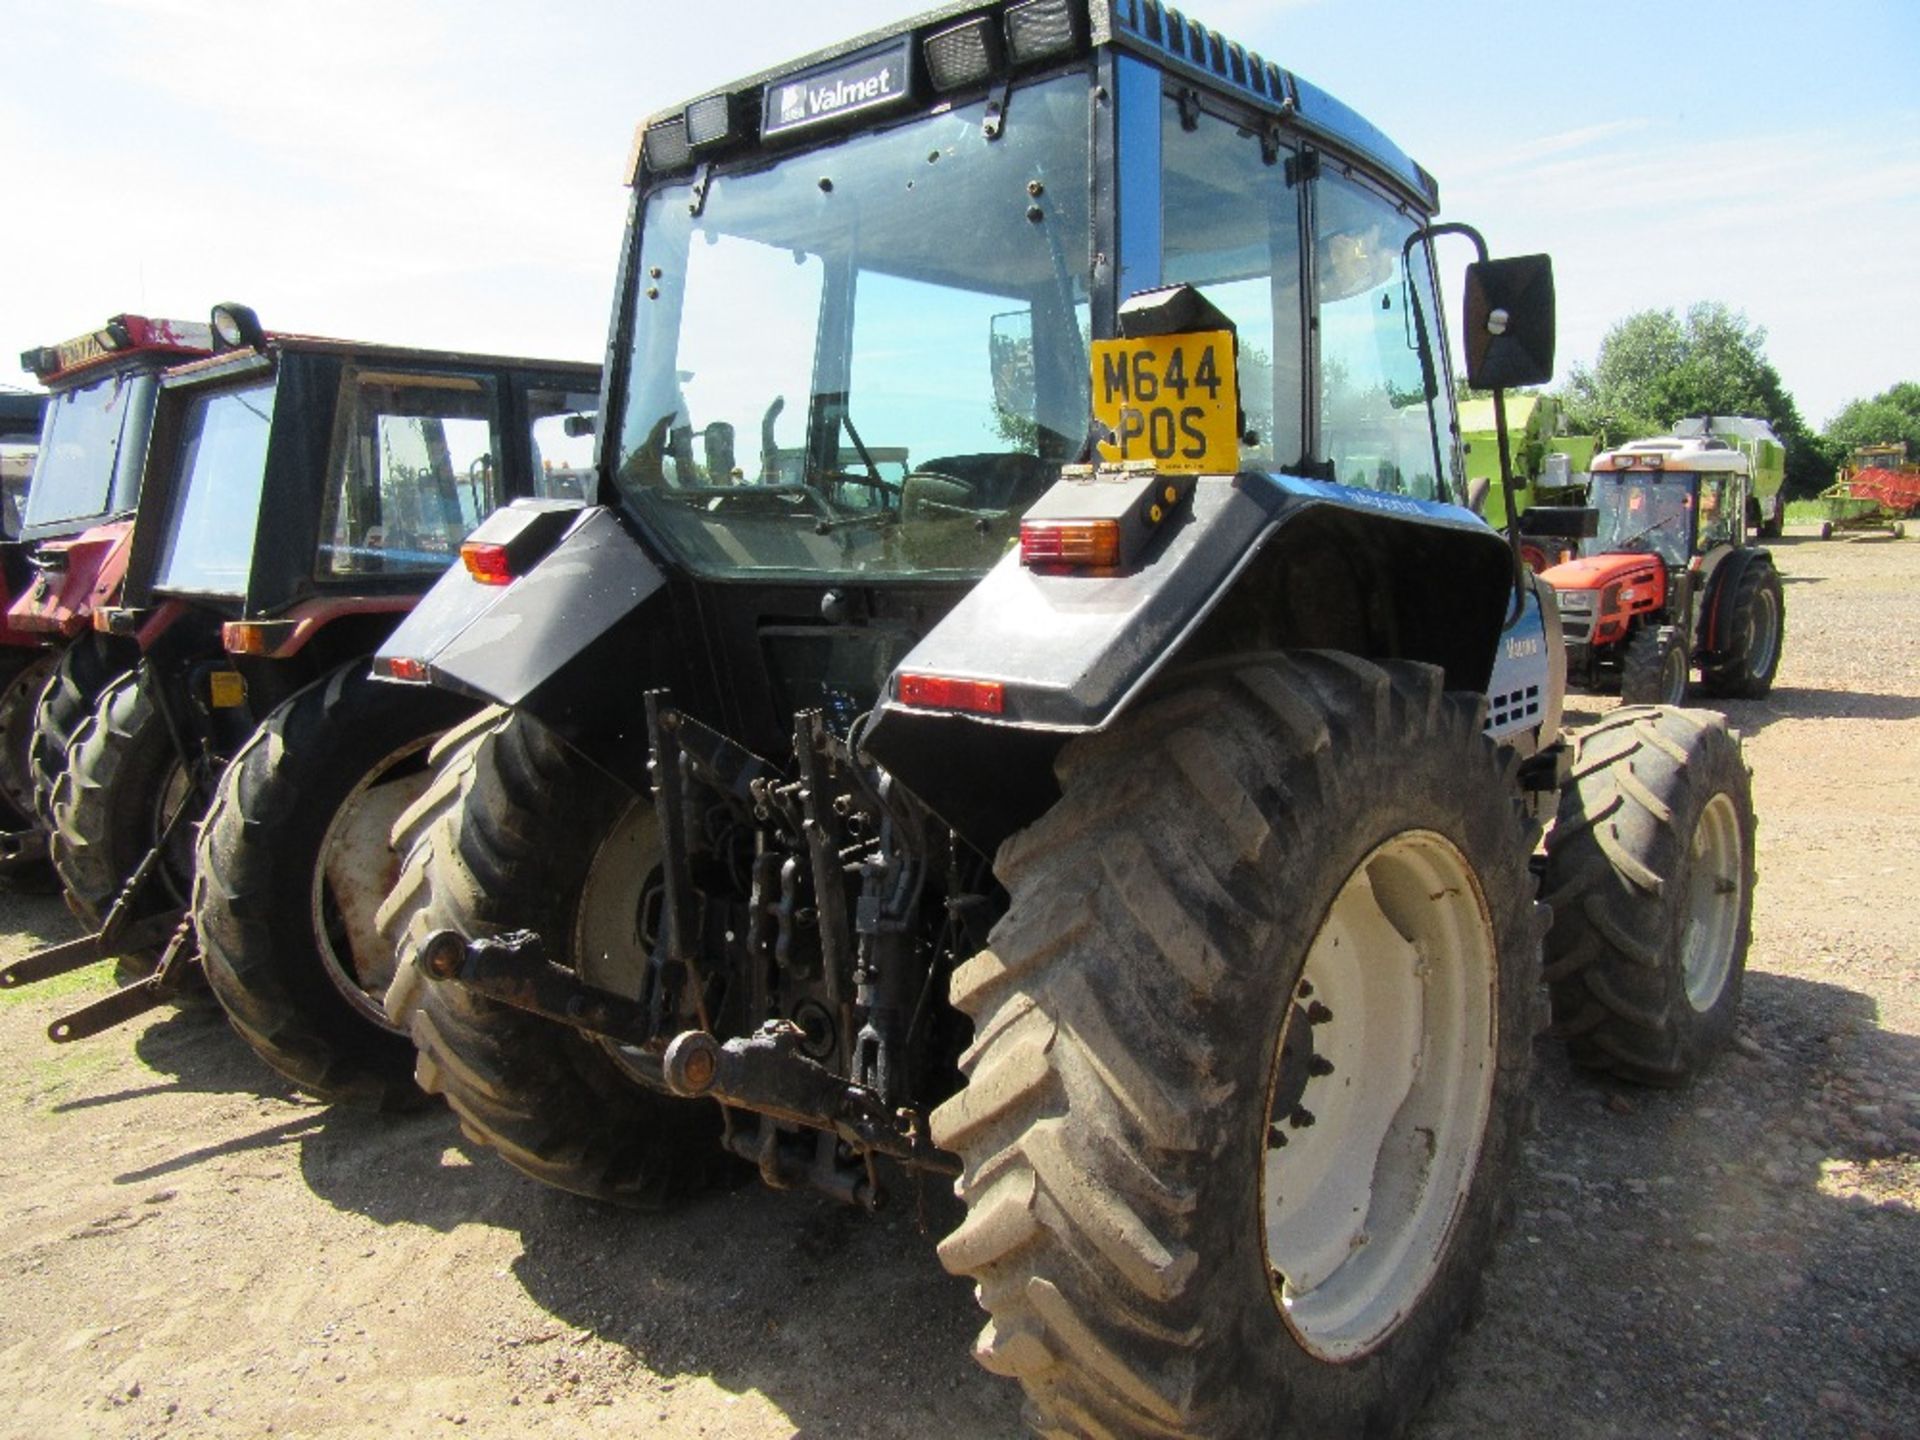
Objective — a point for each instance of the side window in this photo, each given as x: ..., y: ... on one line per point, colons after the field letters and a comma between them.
x: 1382, y: 426
x: 1231, y: 227
x: 564, y: 425
x: 416, y: 463
x: 1717, y: 512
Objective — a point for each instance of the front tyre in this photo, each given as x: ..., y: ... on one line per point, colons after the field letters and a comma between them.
x: 1655, y: 668
x: 1251, y: 1054
x: 293, y: 861
x: 518, y: 831
x: 1650, y: 871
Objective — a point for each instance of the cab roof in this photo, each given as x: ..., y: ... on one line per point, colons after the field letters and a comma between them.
x: 1153, y: 31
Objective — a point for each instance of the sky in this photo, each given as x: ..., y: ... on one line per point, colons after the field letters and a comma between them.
x: 448, y: 173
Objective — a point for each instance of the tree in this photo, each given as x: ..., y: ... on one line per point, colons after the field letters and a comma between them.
x: 1891, y: 416
x: 1655, y: 368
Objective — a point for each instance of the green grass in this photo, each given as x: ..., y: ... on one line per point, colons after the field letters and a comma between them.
x: 95, y: 977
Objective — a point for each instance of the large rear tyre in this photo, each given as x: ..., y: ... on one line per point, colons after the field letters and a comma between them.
x: 1252, y: 1046
x: 1655, y: 668
x: 293, y: 861
x: 516, y: 831
x: 1753, y: 618
x: 123, y: 783
x: 84, y: 670
x: 1650, y: 871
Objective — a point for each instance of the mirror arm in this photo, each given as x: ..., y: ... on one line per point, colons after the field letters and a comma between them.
x: 1507, y: 488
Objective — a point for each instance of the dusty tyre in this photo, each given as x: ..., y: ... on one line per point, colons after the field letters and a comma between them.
x: 1250, y: 1058
x: 1753, y: 623
x: 23, y: 848
x: 293, y: 860
x: 1650, y: 870
x: 85, y: 669
x: 122, y: 784
x: 1655, y: 669
x: 516, y: 831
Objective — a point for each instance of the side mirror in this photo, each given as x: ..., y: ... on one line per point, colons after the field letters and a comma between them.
x: 1509, y: 322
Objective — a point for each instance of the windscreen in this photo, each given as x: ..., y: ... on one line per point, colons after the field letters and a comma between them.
x: 866, y: 359
x: 208, y: 549
x: 85, y: 432
x: 1645, y: 510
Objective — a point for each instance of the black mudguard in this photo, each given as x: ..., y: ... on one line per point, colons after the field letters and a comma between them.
x: 573, y: 641
x: 1257, y: 561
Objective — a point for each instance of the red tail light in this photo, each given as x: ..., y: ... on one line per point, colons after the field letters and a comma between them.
x: 941, y: 692
x: 1094, y: 543
x: 487, y: 563
x: 401, y: 667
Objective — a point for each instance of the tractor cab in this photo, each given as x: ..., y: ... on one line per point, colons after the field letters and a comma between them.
x: 93, y: 445
x: 302, y: 493
x: 1669, y: 516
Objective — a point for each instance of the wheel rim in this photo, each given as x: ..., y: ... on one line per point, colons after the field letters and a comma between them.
x: 618, y: 919
x: 176, y: 868
x: 1378, y: 1097
x: 1676, y: 672
x: 17, y: 706
x: 1764, y: 633
x: 1713, y: 902
x: 355, y: 869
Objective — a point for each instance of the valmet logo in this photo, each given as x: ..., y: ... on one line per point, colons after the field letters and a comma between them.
x: 864, y: 83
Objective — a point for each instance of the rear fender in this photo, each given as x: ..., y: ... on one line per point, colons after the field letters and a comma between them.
x: 1257, y: 562
x: 567, y: 641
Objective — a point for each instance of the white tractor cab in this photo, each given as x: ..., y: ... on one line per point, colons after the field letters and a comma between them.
x: 1668, y: 581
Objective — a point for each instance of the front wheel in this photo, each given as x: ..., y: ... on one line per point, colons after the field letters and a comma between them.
x: 1252, y: 1045
x: 293, y: 861
x: 1655, y: 668
x: 1650, y: 875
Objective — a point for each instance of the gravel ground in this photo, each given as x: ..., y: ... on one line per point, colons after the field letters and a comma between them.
x: 190, y: 1249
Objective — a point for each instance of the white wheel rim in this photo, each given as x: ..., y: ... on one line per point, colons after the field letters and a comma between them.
x: 1764, y: 634
x: 1359, y: 1202
x: 355, y: 870
x: 1713, y: 902
x: 611, y: 940
x: 1677, y: 674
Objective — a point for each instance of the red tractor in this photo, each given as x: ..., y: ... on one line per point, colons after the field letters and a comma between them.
x: 1668, y: 581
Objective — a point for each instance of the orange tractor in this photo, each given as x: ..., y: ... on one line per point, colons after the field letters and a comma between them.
x: 1668, y: 582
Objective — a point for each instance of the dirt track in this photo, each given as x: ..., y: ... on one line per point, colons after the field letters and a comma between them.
x: 191, y: 1249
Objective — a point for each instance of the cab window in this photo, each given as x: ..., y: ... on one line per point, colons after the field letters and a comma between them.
x: 415, y: 466
x: 565, y: 423
x: 1383, y: 421
x: 1231, y: 228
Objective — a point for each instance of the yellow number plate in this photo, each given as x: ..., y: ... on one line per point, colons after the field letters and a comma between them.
x: 1171, y: 399
x: 229, y: 689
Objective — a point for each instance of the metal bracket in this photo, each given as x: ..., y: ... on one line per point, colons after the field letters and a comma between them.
x: 698, y: 190
x: 1303, y: 167
x: 157, y: 989
x: 996, y: 122
x: 1270, y: 134
x: 514, y: 969
x: 1189, y: 101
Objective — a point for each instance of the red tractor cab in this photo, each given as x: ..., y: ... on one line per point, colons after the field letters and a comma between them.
x: 1668, y: 583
